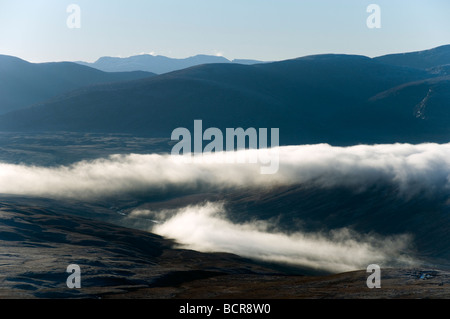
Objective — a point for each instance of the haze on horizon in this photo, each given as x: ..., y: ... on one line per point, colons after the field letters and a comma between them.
x: 269, y: 30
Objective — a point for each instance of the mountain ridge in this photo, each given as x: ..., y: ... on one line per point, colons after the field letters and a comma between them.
x: 419, y: 59
x: 339, y: 99
x: 160, y: 64
x: 23, y: 83
x: 157, y: 63
x: 300, y: 96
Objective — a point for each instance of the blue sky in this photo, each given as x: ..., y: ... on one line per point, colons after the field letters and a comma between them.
x: 36, y: 30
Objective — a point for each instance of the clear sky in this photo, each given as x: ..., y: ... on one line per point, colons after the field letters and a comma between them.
x: 36, y: 30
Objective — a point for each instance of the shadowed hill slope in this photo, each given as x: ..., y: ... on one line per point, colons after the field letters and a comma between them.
x: 327, y: 98
x: 23, y: 84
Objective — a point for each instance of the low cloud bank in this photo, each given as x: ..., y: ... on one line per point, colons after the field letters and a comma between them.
x: 412, y: 168
x: 206, y: 228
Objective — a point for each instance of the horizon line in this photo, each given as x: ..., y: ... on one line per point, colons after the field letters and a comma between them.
x: 222, y: 56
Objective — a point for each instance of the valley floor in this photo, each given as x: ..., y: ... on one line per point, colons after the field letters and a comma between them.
x: 37, y: 245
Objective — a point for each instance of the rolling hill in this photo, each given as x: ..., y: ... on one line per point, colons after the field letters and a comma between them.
x: 315, y: 99
x: 420, y: 59
x: 23, y: 84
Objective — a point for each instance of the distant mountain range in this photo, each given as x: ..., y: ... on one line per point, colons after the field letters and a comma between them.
x: 157, y: 64
x: 160, y: 64
x: 23, y: 84
x: 338, y: 99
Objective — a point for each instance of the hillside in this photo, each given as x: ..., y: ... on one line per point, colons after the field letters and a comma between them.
x: 324, y: 98
x: 23, y: 84
x: 421, y: 59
